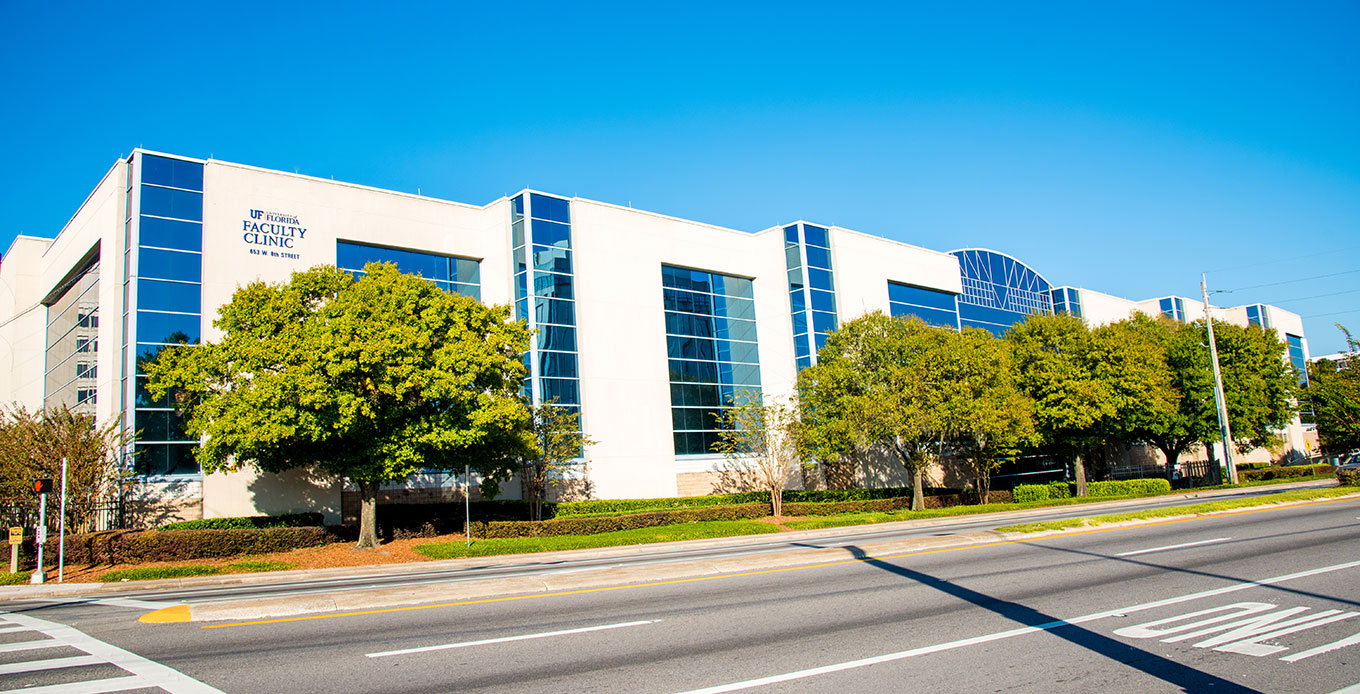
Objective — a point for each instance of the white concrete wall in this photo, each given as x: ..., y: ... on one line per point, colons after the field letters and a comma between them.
x: 1098, y: 308
x: 865, y: 264
x: 23, y: 323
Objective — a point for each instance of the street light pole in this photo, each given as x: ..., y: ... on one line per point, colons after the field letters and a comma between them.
x: 1225, y: 432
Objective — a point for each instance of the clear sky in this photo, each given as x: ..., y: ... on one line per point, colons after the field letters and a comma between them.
x: 1121, y: 147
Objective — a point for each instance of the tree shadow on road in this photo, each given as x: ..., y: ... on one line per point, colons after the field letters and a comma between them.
x: 1187, y: 678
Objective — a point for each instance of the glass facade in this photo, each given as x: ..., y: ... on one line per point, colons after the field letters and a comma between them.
x: 711, y: 351
x: 1067, y: 300
x: 162, y: 298
x: 72, y: 342
x: 1257, y: 315
x: 1299, y: 361
x: 545, y: 297
x: 1173, y: 307
x: 930, y: 305
x: 450, y: 273
x: 999, y: 291
x: 812, y: 289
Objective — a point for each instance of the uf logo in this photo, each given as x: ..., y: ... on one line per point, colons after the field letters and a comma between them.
x: 256, y: 214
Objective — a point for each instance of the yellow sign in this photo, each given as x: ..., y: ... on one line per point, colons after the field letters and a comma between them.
x: 16, y: 535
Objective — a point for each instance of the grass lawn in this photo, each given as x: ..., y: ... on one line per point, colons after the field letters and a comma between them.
x: 1207, y: 507
x: 147, y: 573
x: 639, y: 536
x: 17, y: 578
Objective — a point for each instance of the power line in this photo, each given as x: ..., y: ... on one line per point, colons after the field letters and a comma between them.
x: 1333, y: 313
x: 1315, y: 296
x: 1276, y: 261
x: 1301, y: 279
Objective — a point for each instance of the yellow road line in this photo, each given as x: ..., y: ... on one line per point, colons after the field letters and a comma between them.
x: 696, y: 579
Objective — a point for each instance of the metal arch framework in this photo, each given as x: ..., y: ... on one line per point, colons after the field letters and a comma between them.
x: 996, y: 280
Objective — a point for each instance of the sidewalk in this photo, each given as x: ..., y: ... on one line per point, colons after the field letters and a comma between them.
x: 342, y: 599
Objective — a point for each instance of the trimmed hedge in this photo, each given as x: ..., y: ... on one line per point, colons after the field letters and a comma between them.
x: 603, y: 524
x: 579, y: 509
x: 287, y: 520
x: 1142, y: 487
x: 1026, y: 493
x: 138, y: 546
x: 1278, y: 472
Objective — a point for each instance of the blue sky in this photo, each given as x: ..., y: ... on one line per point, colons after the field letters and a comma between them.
x: 1122, y: 147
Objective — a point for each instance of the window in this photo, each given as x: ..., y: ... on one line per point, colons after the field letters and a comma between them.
x: 545, y: 297
x: 999, y: 291
x: 450, y: 273
x: 930, y: 305
x: 712, y: 352
x: 812, y: 286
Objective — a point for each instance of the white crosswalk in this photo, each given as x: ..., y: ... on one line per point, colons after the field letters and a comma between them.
x: 44, y: 635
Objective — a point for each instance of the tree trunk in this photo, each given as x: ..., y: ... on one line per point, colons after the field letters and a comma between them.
x: 984, y: 486
x: 368, y: 515
x: 1079, y: 467
x: 1172, y: 457
x: 777, y: 501
x: 917, y: 490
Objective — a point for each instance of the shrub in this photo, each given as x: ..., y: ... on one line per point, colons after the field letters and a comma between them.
x: 831, y: 508
x: 287, y: 520
x: 1026, y: 493
x: 1059, y: 490
x: 1348, y: 477
x: 1278, y: 472
x: 148, y: 573
x: 1143, y: 487
x: 137, y: 546
x: 596, y: 507
x: 602, y: 524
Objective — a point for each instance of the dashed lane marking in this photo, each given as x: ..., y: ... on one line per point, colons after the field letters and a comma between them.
x: 507, y: 639
x: 1168, y: 547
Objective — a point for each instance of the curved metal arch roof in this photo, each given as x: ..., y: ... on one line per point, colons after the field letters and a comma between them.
x: 1008, y: 256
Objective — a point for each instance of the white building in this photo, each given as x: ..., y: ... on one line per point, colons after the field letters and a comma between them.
x: 645, y: 322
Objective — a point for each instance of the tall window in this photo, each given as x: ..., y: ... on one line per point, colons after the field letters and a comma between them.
x: 72, y: 341
x: 711, y: 351
x: 930, y: 305
x: 1067, y: 300
x: 545, y: 297
x: 1257, y: 315
x: 1299, y: 360
x: 164, y: 285
x: 1173, y: 307
x: 450, y: 273
x: 812, y: 289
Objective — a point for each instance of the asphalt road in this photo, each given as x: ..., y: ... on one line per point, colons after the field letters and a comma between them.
x: 1262, y: 601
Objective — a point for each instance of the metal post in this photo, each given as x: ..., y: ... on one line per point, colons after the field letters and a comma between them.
x: 61, y: 528
x: 467, y: 503
x: 40, y: 536
x: 1225, y: 431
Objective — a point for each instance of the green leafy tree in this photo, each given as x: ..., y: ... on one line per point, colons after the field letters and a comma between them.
x: 878, y: 386
x: 758, y: 440
x: 33, y: 444
x: 1334, y: 391
x: 1193, y: 417
x: 369, y: 380
x: 992, y: 418
x: 1131, y: 364
x: 1260, y: 386
x: 1054, y: 366
x: 558, y: 441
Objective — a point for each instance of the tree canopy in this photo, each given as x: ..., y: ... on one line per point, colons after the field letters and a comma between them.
x: 1334, y: 393
x: 369, y: 379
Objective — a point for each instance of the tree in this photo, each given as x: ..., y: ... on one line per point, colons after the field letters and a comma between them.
x: 1193, y: 417
x: 33, y: 444
x: 1260, y: 386
x: 1131, y: 365
x: 1054, y: 367
x: 1334, y: 389
x: 878, y: 386
x: 558, y: 441
x: 992, y: 417
x: 370, y: 380
x: 757, y: 438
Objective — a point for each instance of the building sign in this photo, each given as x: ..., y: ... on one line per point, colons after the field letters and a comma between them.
x: 273, y: 234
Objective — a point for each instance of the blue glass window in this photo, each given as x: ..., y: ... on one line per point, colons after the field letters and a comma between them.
x: 170, y: 265
x: 551, y: 234
x: 551, y: 209
x: 170, y: 328
x: 165, y: 459
x: 930, y: 305
x: 553, y: 285
x: 157, y: 295
x: 816, y: 236
x: 812, y: 287
x: 169, y: 202
x: 169, y: 233
x: 552, y: 259
x: 172, y: 172
x: 554, y: 311
x: 450, y: 273
x: 557, y: 338
x: 818, y: 257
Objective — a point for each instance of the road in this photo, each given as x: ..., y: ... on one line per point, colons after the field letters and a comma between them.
x: 1262, y: 601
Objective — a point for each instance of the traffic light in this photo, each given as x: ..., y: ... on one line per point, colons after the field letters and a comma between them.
x: 42, y: 486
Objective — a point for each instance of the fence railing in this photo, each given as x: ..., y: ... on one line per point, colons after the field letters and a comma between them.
x: 111, y: 514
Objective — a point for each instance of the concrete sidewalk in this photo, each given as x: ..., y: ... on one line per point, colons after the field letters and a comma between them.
x: 356, y: 598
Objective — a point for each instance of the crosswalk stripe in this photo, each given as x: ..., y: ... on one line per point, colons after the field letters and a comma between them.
x: 30, y: 645
x: 49, y: 664
x: 9, y: 630
x: 112, y: 684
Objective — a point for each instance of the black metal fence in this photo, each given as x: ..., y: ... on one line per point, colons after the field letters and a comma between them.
x: 111, y: 514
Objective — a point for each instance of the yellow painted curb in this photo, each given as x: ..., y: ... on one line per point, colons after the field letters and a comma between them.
x: 178, y: 613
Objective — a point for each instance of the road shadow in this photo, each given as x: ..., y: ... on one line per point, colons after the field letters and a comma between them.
x: 1187, y: 678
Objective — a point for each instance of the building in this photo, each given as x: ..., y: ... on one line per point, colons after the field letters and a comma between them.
x: 645, y: 322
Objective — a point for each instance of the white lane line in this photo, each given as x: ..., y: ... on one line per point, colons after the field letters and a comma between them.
x: 1353, y: 689
x: 30, y: 645
x: 1326, y: 648
x: 506, y: 639
x: 889, y: 657
x: 138, y: 604
x: 113, y: 684
x: 148, y: 673
x: 1163, y: 549
x: 49, y: 664
x: 10, y: 630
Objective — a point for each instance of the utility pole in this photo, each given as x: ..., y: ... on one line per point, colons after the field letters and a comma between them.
x: 1225, y: 432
